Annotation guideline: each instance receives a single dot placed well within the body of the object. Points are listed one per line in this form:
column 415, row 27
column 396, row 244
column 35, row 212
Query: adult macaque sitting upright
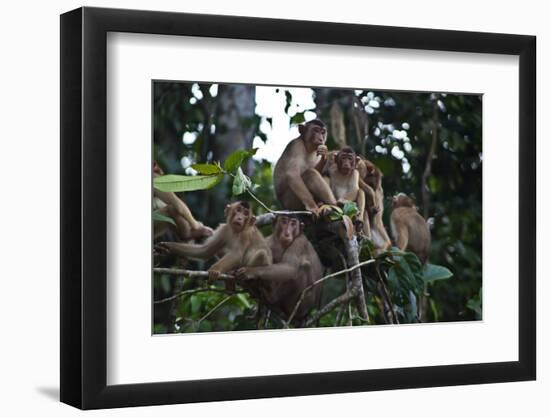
column 297, row 175
column 409, row 229
column 296, row 265
column 238, row 242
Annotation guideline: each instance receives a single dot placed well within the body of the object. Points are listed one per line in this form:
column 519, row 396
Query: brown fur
column 409, row 229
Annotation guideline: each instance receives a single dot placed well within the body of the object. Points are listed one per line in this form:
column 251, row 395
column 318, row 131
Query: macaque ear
column 252, row 220
column 302, row 227
column 357, row 160
column 302, row 129
column 226, row 210
column 370, row 168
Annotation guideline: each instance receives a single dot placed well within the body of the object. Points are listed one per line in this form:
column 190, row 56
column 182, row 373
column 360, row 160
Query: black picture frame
column 84, row 207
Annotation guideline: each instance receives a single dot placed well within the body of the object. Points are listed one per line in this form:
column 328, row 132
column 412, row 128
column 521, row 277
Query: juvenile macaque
column 296, row 266
column 186, row 225
column 297, row 175
column 238, row 242
column 343, row 178
column 371, row 183
column 409, row 229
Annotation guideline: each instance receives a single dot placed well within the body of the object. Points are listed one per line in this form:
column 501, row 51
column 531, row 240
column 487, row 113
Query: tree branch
column 190, row 274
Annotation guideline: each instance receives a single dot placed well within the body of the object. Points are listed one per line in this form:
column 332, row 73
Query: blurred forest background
column 428, row 145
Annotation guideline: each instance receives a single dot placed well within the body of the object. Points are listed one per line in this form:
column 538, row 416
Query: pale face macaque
column 371, row 183
column 409, row 229
column 296, row 266
column 238, row 242
column 297, row 175
column 172, row 206
column 343, row 178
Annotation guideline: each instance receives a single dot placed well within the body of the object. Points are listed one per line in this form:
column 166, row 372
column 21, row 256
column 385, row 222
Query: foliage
column 393, row 129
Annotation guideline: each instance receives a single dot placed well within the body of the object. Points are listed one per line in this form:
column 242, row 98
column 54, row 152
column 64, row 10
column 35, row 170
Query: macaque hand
column 213, row 275
column 163, row 248
column 322, row 151
column 244, row 274
column 314, row 210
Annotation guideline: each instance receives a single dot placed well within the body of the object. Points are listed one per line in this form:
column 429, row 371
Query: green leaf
column 159, row 217
column 207, row 169
column 195, row 303
column 177, row 183
column 436, row 272
column 235, row 160
column 240, row 182
column 243, row 299
column 350, row 209
column 297, row 118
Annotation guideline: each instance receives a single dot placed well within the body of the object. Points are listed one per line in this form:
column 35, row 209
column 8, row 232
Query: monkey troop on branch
column 278, row 269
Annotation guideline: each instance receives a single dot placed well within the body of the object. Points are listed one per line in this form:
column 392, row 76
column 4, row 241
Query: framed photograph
column 257, row 208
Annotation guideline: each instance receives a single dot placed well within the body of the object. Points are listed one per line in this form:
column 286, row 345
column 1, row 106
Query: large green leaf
column 350, row 209
column 207, row 169
column 158, row 217
column 177, row 183
column 235, row 160
column 436, row 272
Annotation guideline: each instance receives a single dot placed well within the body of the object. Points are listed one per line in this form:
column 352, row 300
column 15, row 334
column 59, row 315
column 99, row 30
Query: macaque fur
column 370, row 181
column 409, row 228
column 343, row 178
column 239, row 242
column 172, row 206
column 297, row 174
column 296, row 266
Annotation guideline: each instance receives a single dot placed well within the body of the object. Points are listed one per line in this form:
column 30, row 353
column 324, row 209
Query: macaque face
column 287, row 229
column 239, row 216
column 346, row 162
column 373, row 177
column 313, row 134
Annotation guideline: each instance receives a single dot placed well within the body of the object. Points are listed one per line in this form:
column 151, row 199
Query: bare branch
column 190, row 274
column 191, row 292
column 319, row 281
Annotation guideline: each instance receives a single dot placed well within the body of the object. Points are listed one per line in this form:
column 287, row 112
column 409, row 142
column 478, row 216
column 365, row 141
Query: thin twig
column 199, row 321
column 190, row 274
column 319, row 281
column 191, row 292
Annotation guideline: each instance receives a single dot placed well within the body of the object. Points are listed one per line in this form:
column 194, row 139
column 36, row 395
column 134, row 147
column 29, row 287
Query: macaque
column 172, row 206
column 371, row 183
column 343, row 178
column 239, row 242
column 409, row 229
column 296, row 266
column 297, row 175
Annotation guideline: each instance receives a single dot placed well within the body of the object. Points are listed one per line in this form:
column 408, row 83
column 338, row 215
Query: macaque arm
column 179, row 206
column 370, row 195
column 321, row 164
column 228, row 262
column 205, row 250
column 275, row 272
column 360, row 203
column 402, row 238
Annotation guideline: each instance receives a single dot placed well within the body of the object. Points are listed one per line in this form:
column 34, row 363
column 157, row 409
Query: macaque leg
column 366, row 225
column 259, row 258
column 370, row 196
column 318, row 186
column 179, row 206
column 183, row 228
column 227, row 263
column 159, row 227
